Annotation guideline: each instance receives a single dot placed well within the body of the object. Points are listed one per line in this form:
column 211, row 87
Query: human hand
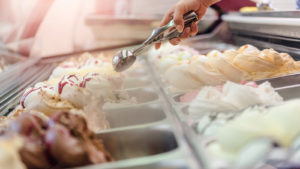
column 177, row 12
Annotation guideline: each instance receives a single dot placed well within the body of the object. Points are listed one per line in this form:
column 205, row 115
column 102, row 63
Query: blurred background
column 42, row 28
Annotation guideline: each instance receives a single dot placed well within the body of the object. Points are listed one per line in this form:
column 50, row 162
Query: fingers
column 175, row 41
column 178, row 17
column 186, row 33
column 157, row 45
column 194, row 29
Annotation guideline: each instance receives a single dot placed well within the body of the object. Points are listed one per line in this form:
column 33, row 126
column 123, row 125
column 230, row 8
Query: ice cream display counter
column 212, row 102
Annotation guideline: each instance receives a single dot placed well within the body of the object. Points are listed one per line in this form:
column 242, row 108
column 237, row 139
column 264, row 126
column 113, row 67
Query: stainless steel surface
column 142, row 147
column 139, row 96
column 283, row 81
column 143, row 95
column 125, row 58
column 289, row 93
column 136, row 116
column 174, row 163
column 140, row 142
column 281, row 26
column 135, row 82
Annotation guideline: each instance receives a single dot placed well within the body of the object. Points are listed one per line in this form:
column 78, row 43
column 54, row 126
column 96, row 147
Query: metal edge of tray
column 181, row 130
column 282, row 81
column 127, row 117
column 262, row 20
column 290, row 92
column 285, row 14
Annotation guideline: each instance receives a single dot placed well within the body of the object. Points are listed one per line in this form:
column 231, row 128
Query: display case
column 156, row 131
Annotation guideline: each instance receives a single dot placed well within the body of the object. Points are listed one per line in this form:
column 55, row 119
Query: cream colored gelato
column 225, row 66
column 205, row 72
column 180, row 77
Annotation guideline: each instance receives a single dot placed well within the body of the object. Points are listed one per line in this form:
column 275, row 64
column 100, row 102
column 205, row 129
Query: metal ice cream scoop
column 125, row 58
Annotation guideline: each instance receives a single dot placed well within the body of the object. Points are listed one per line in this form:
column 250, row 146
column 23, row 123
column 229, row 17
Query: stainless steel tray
column 148, row 114
column 274, row 25
column 143, row 147
column 135, row 82
column 140, row 96
column 283, row 81
column 289, row 93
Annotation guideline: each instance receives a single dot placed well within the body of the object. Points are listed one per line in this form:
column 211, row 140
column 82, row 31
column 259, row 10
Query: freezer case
column 156, row 131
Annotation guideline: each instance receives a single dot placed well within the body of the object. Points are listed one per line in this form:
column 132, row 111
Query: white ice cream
column 233, row 96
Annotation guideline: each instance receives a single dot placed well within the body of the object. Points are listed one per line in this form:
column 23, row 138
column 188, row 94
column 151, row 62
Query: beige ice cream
column 224, row 65
column 246, row 63
column 263, row 64
column 181, row 78
column 205, row 72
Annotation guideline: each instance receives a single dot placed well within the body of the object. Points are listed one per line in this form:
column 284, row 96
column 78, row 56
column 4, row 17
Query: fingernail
column 179, row 28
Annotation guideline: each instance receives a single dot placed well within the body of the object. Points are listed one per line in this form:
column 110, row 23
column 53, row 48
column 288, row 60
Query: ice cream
column 263, row 64
column 72, row 93
column 210, row 123
column 220, row 62
column 63, row 141
column 167, row 54
column 64, row 68
column 44, row 99
column 9, row 152
column 86, row 63
column 232, row 96
column 279, row 123
column 180, row 77
column 195, row 71
column 206, row 73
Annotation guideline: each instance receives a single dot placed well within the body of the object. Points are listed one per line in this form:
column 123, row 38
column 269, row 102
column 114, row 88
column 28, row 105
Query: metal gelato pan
column 283, row 81
column 289, row 93
column 135, row 116
column 144, row 148
column 139, row 96
column 134, row 82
